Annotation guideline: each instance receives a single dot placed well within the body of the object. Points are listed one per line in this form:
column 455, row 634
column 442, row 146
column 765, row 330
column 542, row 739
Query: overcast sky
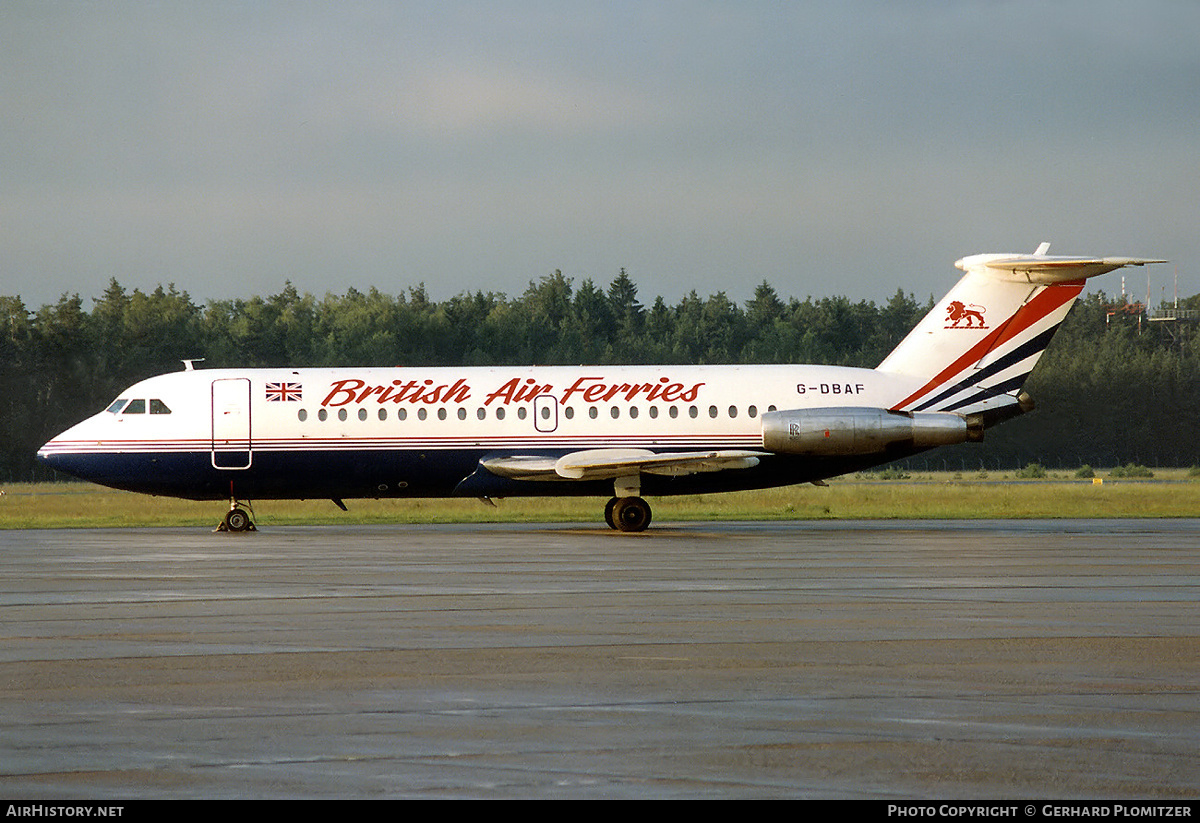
column 847, row 148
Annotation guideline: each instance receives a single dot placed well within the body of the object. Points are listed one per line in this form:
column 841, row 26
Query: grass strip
column 932, row 496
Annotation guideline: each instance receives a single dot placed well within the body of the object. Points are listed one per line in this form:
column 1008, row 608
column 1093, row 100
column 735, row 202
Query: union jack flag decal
column 278, row 392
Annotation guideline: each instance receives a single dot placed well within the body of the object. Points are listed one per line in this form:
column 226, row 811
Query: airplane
column 619, row 432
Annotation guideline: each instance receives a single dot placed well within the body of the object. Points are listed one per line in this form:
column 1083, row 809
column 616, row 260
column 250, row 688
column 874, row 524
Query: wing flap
column 608, row 464
column 603, row 464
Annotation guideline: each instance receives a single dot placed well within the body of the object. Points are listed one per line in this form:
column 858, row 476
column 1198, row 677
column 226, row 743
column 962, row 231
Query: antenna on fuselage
column 190, row 365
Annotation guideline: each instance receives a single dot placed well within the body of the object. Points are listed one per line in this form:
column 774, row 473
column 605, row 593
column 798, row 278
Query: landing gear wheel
column 236, row 520
column 631, row 514
column 608, row 513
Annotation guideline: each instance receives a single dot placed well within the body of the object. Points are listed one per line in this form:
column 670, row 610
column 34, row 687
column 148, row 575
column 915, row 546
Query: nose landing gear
column 236, row 519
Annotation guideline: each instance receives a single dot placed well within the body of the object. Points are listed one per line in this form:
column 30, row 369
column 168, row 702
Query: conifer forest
column 1115, row 386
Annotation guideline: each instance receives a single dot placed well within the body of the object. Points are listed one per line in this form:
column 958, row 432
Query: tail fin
column 977, row 346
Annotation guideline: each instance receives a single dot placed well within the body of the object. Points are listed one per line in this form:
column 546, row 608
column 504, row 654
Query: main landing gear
column 627, row 514
column 236, row 519
column 626, row 511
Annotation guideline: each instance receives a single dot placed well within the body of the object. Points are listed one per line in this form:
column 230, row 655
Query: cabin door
column 231, row 446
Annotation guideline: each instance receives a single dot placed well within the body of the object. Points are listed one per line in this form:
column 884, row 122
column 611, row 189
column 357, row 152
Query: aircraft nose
column 55, row 454
column 48, row 453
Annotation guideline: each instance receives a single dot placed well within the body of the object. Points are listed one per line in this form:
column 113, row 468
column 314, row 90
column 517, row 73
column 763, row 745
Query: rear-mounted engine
column 847, row 431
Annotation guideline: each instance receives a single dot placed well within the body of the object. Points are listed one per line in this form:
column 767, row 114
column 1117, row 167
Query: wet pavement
column 1001, row 659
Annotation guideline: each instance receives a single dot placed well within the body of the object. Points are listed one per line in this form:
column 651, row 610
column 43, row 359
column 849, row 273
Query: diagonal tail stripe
column 1014, row 357
column 999, row 389
column 1044, row 303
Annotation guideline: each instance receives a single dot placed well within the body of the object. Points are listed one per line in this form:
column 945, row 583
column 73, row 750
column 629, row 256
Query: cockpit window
column 124, row 405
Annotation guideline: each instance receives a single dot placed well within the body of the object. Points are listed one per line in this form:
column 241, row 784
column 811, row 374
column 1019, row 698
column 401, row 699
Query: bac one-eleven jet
column 616, row 432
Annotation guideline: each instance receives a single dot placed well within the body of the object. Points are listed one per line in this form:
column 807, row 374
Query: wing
column 607, row 464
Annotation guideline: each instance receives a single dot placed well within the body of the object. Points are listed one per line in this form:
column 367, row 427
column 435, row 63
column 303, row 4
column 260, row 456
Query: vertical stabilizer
column 978, row 345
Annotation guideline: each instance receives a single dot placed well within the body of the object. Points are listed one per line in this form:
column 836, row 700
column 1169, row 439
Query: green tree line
column 1110, row 390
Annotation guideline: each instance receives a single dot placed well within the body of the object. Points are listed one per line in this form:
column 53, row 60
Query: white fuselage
column 326, row 432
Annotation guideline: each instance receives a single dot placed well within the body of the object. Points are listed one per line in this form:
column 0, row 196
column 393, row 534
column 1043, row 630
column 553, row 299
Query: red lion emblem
column 956, row 312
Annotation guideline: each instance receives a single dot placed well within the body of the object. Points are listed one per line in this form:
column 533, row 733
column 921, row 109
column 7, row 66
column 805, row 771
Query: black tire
column 631, row 514
column 608, row 513
column 237, row 520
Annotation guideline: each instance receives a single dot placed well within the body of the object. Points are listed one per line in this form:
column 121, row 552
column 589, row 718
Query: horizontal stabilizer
column 1044, row 269
column 1030, row 263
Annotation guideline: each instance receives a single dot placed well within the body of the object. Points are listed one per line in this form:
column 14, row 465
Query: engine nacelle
column 848, row 431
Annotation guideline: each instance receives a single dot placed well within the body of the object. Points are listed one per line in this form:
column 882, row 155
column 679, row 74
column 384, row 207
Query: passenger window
column 752, row 411
column 158, row 407
column 712, row 411
column 592, row 412
column 442, row 413
column 733, row 411
column 673, row 411
column 481, row 413
column 633, row 412
column 654, row 411
column 383, row 414
column 693, row 412
column 569, row 412
column 136, row 407
column 343, row 414
column 322, row 415
column 615, row 412
column 500, row 413
column 521, row 412
column 302, row 415
column 422, row 414
column 362, row 414
column 401, row 413
column 462, row 413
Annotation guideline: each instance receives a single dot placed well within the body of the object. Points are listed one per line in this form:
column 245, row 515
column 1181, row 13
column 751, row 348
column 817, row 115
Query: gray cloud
column 847, row 148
